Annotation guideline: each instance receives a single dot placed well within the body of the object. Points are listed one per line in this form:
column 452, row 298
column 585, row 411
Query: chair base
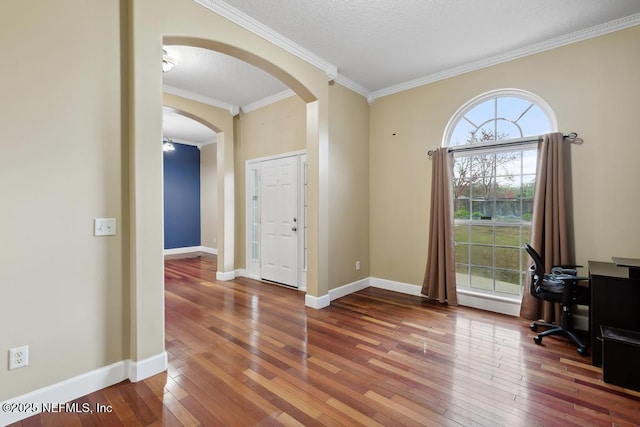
column 558, row 330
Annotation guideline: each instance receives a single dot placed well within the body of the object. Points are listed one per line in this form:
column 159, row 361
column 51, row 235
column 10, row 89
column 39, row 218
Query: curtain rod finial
column 573, row 137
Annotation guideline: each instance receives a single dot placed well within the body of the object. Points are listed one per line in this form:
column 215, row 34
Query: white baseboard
column 81, row 385
column 224, row 276
column 243, row 272
column 208, row 250
column 317, row 302
column 146, row 368
column 403, row 288
column 191, row 249
column 349, row 289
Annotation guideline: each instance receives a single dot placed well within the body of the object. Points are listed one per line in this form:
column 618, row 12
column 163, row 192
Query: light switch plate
column 104, row 227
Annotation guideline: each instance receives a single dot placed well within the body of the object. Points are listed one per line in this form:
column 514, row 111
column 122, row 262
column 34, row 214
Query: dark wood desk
column 615, row 301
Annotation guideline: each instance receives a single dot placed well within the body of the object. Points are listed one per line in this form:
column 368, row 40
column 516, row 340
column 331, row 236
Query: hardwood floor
column 247, row 353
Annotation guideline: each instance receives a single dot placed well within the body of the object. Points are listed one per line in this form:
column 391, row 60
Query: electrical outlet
column 357, row 265
column 18, row 357
column 104, row 227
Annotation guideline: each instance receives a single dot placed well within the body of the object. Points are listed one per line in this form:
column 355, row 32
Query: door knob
column 294, row 228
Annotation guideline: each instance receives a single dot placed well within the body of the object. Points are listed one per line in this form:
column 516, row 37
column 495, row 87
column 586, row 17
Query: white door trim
column 252, row 173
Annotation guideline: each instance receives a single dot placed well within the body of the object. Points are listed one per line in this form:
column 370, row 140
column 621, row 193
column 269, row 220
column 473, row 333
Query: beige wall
column 593, row 87
column 348, row 186
column 209, row 196
column 64, row 291
column 275, row 129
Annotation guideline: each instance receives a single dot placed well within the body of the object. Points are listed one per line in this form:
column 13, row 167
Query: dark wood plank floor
column 247, row 353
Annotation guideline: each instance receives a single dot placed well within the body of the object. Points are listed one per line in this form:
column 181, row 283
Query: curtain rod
column 572, row 137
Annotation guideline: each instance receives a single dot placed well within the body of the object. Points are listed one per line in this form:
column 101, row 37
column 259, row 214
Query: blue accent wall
column 181, row 197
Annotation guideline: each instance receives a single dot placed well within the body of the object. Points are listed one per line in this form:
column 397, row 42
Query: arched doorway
column 153, row 24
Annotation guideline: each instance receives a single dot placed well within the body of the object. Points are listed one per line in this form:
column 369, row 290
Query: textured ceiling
column 381, row 44
column 185, row 130
column 219, row 77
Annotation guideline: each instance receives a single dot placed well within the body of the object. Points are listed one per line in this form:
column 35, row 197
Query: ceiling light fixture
column 167, row 62
column 167, row 144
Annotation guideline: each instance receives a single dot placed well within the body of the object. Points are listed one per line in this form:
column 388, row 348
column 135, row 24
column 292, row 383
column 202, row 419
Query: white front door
column 279, row 220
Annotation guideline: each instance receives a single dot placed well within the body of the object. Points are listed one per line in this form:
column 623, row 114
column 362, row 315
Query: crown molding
column 354, row 86
column 575, row 37
column 267, row 101
column 233, row 109
column 245, row 21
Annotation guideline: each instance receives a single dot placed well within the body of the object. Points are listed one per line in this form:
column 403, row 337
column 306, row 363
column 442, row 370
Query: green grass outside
column 475, row 256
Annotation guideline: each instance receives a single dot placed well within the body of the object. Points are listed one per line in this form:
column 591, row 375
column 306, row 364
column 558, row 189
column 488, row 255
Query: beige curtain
column 440, row 275
column 550, row 227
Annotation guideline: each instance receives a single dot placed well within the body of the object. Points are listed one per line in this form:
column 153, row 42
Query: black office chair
column 561, row 286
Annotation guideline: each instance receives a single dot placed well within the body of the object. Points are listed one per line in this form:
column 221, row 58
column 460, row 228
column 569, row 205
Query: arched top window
column 499, row 115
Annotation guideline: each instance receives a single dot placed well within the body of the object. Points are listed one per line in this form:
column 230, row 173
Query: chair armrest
column 558, row 271
column 571, row 269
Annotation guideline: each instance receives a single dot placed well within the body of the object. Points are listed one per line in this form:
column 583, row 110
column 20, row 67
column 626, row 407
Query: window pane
column 535, row 122
column 482, row 255
column 481, row 278
column 462, row 133
column 462, row 275
column 526, row 261
column 482, row 234
column 508, row 206
column 482, row 175
column 462, row 254
column 508, row 236
column 507, row 187
column 482, row 209
column 480, row 113
column 508, row 258
column 461, row 208
column 528, row 190
column 508, row 282
column 509, row 163
column 462, row 233
column 507, row 130
column 462, row 168
column 529, row 158
column 512, row 108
